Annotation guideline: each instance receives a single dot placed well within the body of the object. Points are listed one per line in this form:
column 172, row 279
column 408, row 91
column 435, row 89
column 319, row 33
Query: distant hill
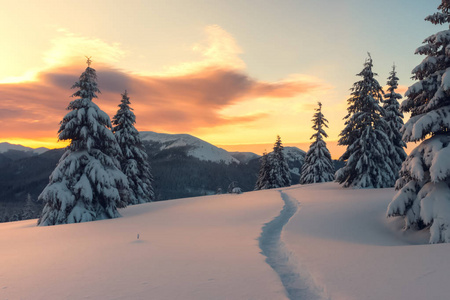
column 5, row 147
column 244, row 157
column 194, row 146
column 182, row 165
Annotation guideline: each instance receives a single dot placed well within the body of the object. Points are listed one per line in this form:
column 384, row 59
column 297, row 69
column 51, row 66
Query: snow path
column 191, row 249
column 298, row 285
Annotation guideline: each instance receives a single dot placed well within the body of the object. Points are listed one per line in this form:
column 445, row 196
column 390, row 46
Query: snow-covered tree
column 424, row 188
column 28, row 212
column 87, row 184
column 318, row 165
column 280, row 175
column 134, row 160
column 394, row 118
column 273, row 171
column 368, row 164
column 263, row 182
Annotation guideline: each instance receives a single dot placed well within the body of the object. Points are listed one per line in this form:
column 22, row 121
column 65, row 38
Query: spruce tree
column 28, row 212
column 263, row 182
column 134, row 161
column 87, row 184
column 280, row 175
column 318, row 165
column 423, row 198
column 368, row 164
column 394, row 118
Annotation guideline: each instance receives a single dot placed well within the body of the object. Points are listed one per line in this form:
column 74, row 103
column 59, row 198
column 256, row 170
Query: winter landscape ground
column 336, row 244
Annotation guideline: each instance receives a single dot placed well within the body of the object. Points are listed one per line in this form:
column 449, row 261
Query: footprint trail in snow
column 298, row 285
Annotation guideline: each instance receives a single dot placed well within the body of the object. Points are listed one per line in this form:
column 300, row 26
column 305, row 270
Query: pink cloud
column 177, row 103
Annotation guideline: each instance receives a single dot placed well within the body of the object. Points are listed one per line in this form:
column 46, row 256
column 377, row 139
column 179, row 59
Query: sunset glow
column 206, row 71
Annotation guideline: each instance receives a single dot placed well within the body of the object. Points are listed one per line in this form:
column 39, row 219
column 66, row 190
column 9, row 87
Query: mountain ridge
column 5, row 147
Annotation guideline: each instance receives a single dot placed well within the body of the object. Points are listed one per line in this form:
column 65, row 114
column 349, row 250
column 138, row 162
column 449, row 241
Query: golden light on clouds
column 213, row 98
column 68, row 48
column 218, row 50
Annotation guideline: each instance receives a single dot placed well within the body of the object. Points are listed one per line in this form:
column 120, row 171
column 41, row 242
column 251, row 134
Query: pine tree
column 423, row 198
column 134, row 161
column 394, row 118
column 87, row 184
column 318, row 165
column 367, row 156
column 280, row 175
column 263, row 182
column 28, row 212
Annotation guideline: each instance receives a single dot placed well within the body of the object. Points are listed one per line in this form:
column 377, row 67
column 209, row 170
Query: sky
column 233, row 73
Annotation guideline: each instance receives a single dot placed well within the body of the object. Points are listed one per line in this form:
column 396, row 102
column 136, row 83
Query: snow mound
column 197, row 147
column 5, row 147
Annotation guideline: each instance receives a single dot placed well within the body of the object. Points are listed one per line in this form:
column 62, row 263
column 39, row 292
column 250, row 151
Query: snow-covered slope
column 342, row 239
column 294, row 154
column 197, row 147
column 335, row 244
column 4, row 147
column 244, row 157
column 191, row 249
column 295, row 158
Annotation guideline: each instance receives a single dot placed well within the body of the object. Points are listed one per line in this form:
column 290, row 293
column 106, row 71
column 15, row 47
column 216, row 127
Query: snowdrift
column 319, row 241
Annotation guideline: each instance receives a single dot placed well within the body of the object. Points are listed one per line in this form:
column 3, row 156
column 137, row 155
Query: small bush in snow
column 234, row 189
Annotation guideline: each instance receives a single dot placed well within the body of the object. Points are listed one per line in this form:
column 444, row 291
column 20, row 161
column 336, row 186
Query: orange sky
column 213, row 98
column 241, row 82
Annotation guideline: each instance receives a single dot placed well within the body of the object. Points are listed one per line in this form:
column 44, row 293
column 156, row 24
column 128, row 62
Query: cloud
column 219, row 50
column 189, row 97
column 69, row 48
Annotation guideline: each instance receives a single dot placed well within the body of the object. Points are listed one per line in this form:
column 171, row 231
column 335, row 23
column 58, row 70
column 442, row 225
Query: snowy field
column 337, row 244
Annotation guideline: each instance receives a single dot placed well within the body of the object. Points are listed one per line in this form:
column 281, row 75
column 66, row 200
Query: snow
column 294, row 154
column 198, row 148
column 446, row 80
column 199, row 248
column 244, row 157
column 324, row 241
column 4, row 147
column 343, row 239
